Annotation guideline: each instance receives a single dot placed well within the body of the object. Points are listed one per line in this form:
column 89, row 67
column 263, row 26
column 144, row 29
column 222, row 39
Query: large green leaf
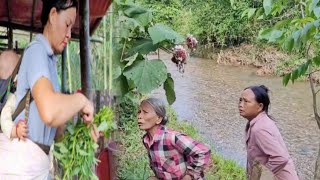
column 160, row 32
column 313, row 5
column 265, row 33
column 116, row 72
column 131, row 10
column 120, row 86
column 144, row 19
column 286, row 79
column 244, row 13
column 143, row 46
column 316, row 23
column 288, row 45
column 307, row 32
column 130, row 60
column 147, row 75
column 316, row 60
column 282, row 23
column 295, row 75
column 304, row 67
column 267, row 5
column 275, row 35
column 169, row 88
column 316, row 12
column 251, row 12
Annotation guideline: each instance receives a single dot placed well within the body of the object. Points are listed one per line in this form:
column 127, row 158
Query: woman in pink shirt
column 264, row 142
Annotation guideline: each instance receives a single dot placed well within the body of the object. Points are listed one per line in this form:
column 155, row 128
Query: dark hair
column 159, row 107
column 261, row 96
column 58, row 4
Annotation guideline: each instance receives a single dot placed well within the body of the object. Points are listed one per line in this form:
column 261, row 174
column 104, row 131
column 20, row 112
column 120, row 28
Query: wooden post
column 64, row 71
column 32, row 17
column 85, row 51
column 10, row 38
column 9, row 31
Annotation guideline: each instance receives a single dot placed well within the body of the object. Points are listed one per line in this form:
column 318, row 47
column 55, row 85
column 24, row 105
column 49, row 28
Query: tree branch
column 313, row 72
column 314, row 97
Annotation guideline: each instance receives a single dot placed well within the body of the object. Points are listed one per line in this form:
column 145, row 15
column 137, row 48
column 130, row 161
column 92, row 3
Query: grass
column 134, row 162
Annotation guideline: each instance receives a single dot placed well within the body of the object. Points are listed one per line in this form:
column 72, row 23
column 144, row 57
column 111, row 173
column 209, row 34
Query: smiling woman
column 50, row 110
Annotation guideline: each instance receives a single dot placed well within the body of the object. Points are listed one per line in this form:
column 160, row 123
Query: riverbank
column 267, row 60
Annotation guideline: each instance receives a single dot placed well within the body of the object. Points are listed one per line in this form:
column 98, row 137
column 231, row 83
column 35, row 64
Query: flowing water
column 207, row 97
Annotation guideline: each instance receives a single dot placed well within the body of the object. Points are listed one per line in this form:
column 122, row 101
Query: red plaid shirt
column 173, row 155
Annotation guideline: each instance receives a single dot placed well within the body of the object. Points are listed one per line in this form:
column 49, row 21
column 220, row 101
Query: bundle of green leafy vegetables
column 76, row 151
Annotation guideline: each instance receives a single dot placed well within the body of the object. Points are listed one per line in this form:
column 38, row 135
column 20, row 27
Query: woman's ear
column 260, row 107
column 159, row 120
column 53, row 16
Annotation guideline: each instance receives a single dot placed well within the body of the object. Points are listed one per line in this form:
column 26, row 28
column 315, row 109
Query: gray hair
column 159, row 107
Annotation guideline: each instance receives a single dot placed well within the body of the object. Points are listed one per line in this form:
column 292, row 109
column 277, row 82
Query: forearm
column 197, row 155
column 58, row 108
column 196, row 166
column 275, row 164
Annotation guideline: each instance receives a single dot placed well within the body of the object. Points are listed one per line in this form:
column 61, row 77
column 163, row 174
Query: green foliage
column 295, row 34
column 218, row 23
column 105, row 119
column 128, row 110
column 170, row 13
column 138, row 37
column 146, row 75
column 169, row 88
column 159, row 33
column 76, row 151
column 134, row 162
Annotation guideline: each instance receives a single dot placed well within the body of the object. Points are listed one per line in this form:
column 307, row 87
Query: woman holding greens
column 50, row 110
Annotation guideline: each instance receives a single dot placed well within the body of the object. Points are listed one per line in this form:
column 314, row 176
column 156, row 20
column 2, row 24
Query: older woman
column 172, row 155
column 263, row 140
column 50, row 109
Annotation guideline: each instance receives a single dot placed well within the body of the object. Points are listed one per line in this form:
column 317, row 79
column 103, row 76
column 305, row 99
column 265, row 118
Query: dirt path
column 207, row 97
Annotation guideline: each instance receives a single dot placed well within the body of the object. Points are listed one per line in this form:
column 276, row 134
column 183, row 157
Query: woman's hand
column 87, row 112
column 22, row 130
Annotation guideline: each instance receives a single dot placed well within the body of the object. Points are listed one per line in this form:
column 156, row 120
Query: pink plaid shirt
column 173, row 155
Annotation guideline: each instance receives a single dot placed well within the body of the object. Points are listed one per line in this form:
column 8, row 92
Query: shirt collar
column 44, row 41
column 254, row 120
column 157, row 136
column 251, row 123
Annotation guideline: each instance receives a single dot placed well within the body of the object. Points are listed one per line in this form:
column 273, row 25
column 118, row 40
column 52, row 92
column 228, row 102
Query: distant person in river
column 264, row 142
column 172, row 155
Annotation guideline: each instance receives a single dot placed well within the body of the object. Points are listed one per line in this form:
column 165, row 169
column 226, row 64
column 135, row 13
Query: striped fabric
column 173, row 155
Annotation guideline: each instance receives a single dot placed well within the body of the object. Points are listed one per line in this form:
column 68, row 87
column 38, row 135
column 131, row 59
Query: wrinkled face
column 147, row 117
column 61, row 25
column 249, row 108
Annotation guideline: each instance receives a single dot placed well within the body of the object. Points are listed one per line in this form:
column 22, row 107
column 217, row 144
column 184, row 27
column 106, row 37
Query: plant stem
column 69, row 69
column 104, row 53
column 110, row 49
